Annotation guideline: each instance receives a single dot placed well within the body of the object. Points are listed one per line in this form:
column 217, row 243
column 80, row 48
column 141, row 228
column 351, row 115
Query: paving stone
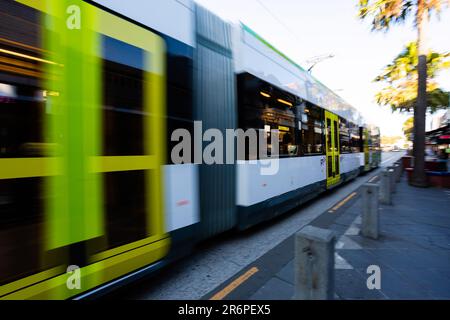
column 274, row 289
column 360, row 258
column 432, row 282
column 351, row 285
column 396, row 287
column 287, row 273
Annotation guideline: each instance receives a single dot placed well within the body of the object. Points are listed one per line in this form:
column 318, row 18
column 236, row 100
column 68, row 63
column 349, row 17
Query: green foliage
column 408, row 126
column 385, row 13
column 401, row 79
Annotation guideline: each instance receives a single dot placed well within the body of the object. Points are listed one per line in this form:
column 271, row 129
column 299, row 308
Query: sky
column 303, row 29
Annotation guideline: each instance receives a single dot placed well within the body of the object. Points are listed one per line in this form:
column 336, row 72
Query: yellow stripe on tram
column 16, row 168
column 94, row 274
column 28, row 281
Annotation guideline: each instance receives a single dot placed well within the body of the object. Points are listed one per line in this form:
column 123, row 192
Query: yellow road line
column 233, row 285
column 340, row 204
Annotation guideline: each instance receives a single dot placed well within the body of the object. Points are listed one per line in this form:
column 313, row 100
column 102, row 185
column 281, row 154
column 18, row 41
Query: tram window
column 179, row 79
column 344, row 136
column 179, row 102
column 336, row 140
column 336, row 159
column 355, row 142
column 124, row 117
column 370, row 141
column 20, row 233
column 264, row 107
column 330, row 166
column 287, row 141
column 123, row 82
column 21, row 121
column 312, row 130
column 125, row 207
column 286, row 137
column 251, row 118
column 22, row 230
column 21, row 95
column 362, row 139
column 376, row 142
column 329, row 135
column 179, row 116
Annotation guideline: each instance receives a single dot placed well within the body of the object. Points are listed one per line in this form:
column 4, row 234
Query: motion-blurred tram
column 90, row 94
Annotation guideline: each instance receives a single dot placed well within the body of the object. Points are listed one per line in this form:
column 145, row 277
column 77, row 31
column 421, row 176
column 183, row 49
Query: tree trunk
column 419, row 177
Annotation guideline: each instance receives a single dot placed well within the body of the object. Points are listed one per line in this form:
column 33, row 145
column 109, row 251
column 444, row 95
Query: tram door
column 332, row 143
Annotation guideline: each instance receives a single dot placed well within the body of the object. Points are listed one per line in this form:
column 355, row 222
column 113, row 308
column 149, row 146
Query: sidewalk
column 413, row 252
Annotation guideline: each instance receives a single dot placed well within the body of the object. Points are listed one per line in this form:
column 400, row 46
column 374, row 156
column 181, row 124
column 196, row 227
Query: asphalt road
column 216, row 260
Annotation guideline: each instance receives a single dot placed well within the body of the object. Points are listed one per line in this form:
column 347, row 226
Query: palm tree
column 400, row 77
column 384, row 14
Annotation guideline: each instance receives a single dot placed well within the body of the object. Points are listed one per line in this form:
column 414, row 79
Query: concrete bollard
column 398, row 172
column 385, row 188
column 392, row 179
column 400, row 163
column 314, row 264
column 370, row 217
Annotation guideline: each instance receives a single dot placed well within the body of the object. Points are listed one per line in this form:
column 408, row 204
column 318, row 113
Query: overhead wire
column 276, row 18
